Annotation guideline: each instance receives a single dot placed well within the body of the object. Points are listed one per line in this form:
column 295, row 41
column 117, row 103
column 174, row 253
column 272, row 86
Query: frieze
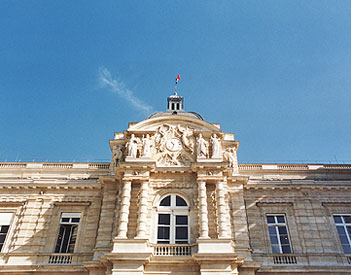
column 175, row 185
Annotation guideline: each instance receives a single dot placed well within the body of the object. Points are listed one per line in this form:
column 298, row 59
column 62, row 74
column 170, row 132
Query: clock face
column 174, row 144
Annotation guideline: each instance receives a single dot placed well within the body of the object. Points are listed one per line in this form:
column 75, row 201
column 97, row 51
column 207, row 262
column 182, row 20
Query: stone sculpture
column 229, row 156
column 202, row 147
column 117, row 155
column 132, row 146
column 147, row 144
column 216, row 146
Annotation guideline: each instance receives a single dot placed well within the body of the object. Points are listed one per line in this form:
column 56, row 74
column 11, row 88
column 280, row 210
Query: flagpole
column 175, row 86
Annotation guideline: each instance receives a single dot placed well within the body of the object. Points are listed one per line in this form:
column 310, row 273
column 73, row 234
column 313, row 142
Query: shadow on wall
column 50, row 227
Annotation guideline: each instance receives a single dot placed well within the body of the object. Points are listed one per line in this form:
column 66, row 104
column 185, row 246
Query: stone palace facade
column 174, row 200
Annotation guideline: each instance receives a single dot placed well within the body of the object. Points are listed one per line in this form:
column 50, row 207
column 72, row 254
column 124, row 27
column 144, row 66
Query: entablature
column 298, row 184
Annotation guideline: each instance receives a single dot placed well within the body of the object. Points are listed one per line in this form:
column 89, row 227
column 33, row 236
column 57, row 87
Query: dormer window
column 173, row 220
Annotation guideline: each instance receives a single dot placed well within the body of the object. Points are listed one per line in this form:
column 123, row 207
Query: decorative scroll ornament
column 174, row 145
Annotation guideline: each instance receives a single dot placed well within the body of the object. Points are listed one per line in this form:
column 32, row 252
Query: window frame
column 64, row 224
column 16, row 209
column 8, row 235
column 276, row 225
column 173, row 210
column 344, row 225
column 53, row 228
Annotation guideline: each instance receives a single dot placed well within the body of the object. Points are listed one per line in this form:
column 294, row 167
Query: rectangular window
column 278, row 234
column 5, row 220
column 343, row 226
column 67, row 235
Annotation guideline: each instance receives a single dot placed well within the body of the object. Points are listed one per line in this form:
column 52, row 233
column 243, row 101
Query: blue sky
column 275, row 73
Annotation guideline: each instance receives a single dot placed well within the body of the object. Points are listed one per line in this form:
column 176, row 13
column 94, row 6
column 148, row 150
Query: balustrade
column 173, row 250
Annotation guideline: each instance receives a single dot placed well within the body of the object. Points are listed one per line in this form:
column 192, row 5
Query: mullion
column 345, row 224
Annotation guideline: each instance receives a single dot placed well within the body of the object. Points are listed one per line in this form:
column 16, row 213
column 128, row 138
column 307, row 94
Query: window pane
column 65, row 220
column 4, row 228
column 348, row 228
column 66, row 238
column 163, row 233
column 180, row 242
column 282, row 230
column 270, row 219
column 271, row 230
column 181, row 220
column 73, row 239
column 343, row 239
column 347, row 219
column 284, row 239
column 347, row 249
column 166, row 201
column 162, row 241
column 286, row 249
column 180, row 201
column 341, row 230
column 59, row 239
column 182, row 233
column 2, row 238
column 281, row 219
column 75, row 220
column 164, row 219
column 275, row 249
column 337, row 219
column 274, row 239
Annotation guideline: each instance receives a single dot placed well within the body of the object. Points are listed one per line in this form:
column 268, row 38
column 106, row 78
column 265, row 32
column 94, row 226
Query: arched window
column 173, row 220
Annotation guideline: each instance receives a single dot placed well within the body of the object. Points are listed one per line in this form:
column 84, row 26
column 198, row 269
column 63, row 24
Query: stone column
column 203, row 218
column 223, row 211
column 124, row 211
column 143, row 207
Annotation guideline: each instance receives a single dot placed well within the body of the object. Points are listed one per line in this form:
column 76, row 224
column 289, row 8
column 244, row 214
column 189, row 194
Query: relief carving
column 174, row 145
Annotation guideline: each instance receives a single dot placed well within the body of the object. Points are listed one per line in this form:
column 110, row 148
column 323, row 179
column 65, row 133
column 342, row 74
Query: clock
column 174, row 144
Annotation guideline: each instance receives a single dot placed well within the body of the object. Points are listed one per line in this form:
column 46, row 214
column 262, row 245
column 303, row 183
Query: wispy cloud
column 118, row 87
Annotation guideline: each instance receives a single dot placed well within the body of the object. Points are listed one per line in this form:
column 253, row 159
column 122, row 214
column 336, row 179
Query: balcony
column 64, row 258
column 284, row 259
column 174, row 250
